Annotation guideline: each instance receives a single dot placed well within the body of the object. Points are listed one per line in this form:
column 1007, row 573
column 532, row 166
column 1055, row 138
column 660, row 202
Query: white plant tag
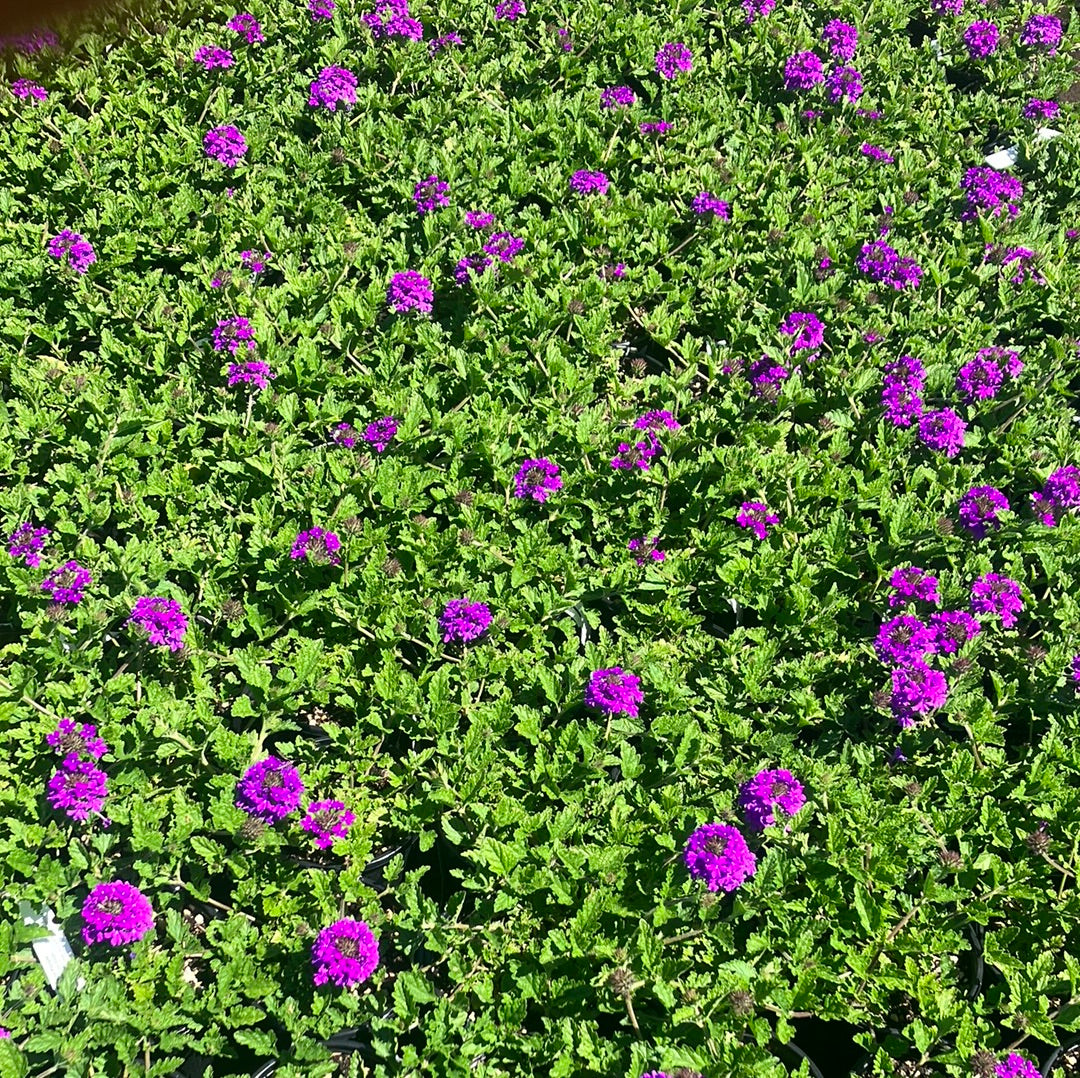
column 1045, row 134
column 52, row 951
column 1003, row 158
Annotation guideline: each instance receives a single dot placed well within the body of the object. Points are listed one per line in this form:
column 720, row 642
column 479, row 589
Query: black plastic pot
column 793, row 1055
column 1057, row 1053
column 828, row 1047
column 976, row 966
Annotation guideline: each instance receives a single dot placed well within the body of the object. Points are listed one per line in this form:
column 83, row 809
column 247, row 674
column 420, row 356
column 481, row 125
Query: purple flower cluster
column 27, row 542
column 766, row 376
column 638, row 455
column 765, row 793
column 463, row 620
column 318, row 546
column 509, row 10
column 71, row 740
column 673, row 57
column 230, row 334
column 757, row 9
column 161, row 620
column 756, row 516
column 269, row 790
column 617, row 97
column 998, row 595
column 913, row 585
column 73, row 247
column 77, row 788
column 656, row 420
column 334, row 86
column 803, row 71
column 657, row 127
column 380, row 433
column 345, row 954
column 916, row 690
column 1042, row 32
column 537, row 479
column 410, row 291
column 981, row 39
column 212, row 56
column 981, row 378
column 903, row 384
column 841, row 38
column 868, row 149
column 253, row 372
column 225, row 145
column 718, row 854
column 321, row 10
column 904, row 639
column 247, row 26
column 430, row 194
column 991, row 191
column 586, row 183
column 328, row 820
column 952, row 630
column 1023, row 257
column 65, row 584
column 254, row 262
column 343, row 436
column 504, row 246
column 1016, row 1066
column 614, row 691
column 24, row 89
column 843, row 84
column 943, row 431
column 116, row 913
column 645, row 549
column 1041, row 110
column 706, row 202
column 883, row 265
column 1060, row 492
column 979, row 509
column 807, row 329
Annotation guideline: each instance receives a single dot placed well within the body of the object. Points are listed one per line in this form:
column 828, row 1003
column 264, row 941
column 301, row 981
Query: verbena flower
column 24, row 89
column 803, row 71
column 504, row 246
column 585, row 182
column 27, row 542
column 946, row 7
column 842, row 39
column 30, row 43
column 509, row 10
column 718, row 854
column 344, row 436
column 881, row 263
column 161, row 620
column 479, row 220
column 1016, row 1066
column 254, row 372
column 430, row 194
column 537, row 479
column 645, row 549
column 69, row 740
column 868, row 149
column 471, row 266
column 445, row 41
column 981, row 39
column 563, row 33
column 73, row 247
column 247, row 26
column 981, row 378
column 225, row 145
column 707, row 202
column 673, row 57
column 757, row 9
column 318, row 546
column 916, row 689
column 654, row 420
column 1075, row 672
column 77, row 788
column 230, row 334
column 65, row 584
column 989, row 190
column 952, row 629
column 1042, row 32
column 615, row 97
column 903, row 405
column 334, row 86
column 269, row 790
column 756, row 516
column 212, row 56
column 943, row 431
column 1041, row 110
column 1024, row 259
column 116, row 913
column 321, row 10
column 638, row 455
column 328, row 820
column 391, row 19
column 654, row 127
column 807, row 329
column 843, row 84
column 1060, row 492
column 463, row 620
column 410, row 291
column 995, row 594
column 380, row 433
column 766, row 376
column 253, row 261
column 904, row 639
column 979, row 509
column 346, row 953
column 765, row 793
column 913, row 585
column 614, row 691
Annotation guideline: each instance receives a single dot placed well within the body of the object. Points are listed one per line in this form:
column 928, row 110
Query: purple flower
column 903, row 640
column 346, row 953
column 328, row 820
column 718, row 854
column 1075, row 672
column 843, row 84
column 29, row 44
column 673, row 57
column 479, row 220
column 654, row 420
column 24, row 88
column 26, row 542
column 979, row 508
column 225, row 145
column 868, row 149
column 1061, row 492
column 916, row 689
column 869, row 114
column 767, row 790
column 982, row 377
column 585, row 182
column 807, row 329
column 564, row 34
column 69, row 740
column 990, row 190
column 903, row 405
column 116, row 913
column 254, row 372
column 1015, row 1065
column 230, row 333
column 1041, row 110
column 509, row 10
column 430, row 194
column 504, row 246
column 981, row 39
column 269, row 790
column 470, row 266
column 4, row 1033
column 391, row 19
column 615, row 97
column 1042, row 32
column 381, row 433
column 803, row 71
column 74, row 247
column 882, row 264
column 321, row 9
column 77, row 788
column 254, row 262
column 637, row 455
column 842, row 39
column 211, row 56
column 952, row 629
column 334, row 86
column 657, row 127
column 756, row 516
column 463, row 621
column 706, row 202
column 1025, row 260
column 765, row 376
column 645, row 549
column 537, row 479
column 410, row 291
column 65, row 584
column 943, row 431
column 317, row 546
column 343, row 436
column 946, row 7
column 444, row 42
column 161, row 620
column 994, row 594
column 913, row 585
column 247, row 26
column 614, row 692
column 757, row 9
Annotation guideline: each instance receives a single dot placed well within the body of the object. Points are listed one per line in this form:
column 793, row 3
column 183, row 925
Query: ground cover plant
column 540, row 540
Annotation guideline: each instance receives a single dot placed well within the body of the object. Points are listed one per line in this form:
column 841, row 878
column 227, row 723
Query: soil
column 1067, row 1065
